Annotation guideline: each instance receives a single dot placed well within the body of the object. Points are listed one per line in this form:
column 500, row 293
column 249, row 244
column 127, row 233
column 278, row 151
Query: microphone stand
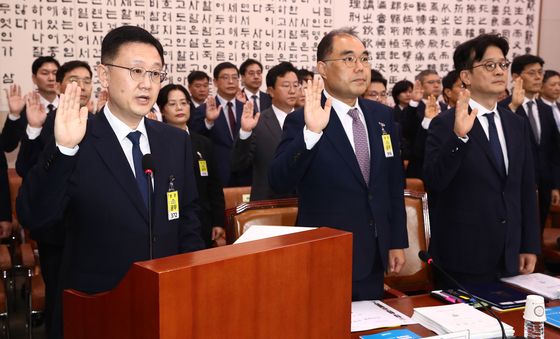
column 149, row 176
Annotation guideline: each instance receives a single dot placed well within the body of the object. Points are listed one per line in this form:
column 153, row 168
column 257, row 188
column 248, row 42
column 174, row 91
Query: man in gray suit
column 283, row 86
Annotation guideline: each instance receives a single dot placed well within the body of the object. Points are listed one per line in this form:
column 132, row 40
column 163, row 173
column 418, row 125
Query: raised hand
column 316, row 117
column 417, row 91
column 463, row 120
column 36, row 114
column 431, row 108
column 102, row 98
column 240, row 96
column 248, row 121
column 212, row 112
column 518, row 95
column 71, row 120
column 15, row 100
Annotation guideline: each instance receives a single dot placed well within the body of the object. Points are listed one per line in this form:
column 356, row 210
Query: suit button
column 155, row 238
column 371, row 223
column 502, row 220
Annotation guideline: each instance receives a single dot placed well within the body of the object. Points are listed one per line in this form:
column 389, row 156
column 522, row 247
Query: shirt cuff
column 413, row 103
column 310, row 138
column 465, row 139
column 208, row 125
column 244, row 135
column 68, row 151
column 33, row 132
column 426, row 123
column 13, row 117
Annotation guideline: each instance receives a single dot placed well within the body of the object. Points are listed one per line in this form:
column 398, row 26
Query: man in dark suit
column 260, row 134
column 416, row 118
column 335, row 157
column 219, row 120
column 90, row 177
column 550, row 93
column 43, row 70
column 480, row 164
column 452, row 86
column 199, row 88
column 545, row 138
column 251, row 77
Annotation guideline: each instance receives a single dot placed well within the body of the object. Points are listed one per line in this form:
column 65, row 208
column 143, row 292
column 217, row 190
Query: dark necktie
column 141, row 180
column 360, row 143
column 50, row 108
column 495, row 145
column 231, row 118
column 255, row 104
column 533, row 121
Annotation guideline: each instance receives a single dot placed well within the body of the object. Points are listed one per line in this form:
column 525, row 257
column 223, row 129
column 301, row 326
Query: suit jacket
column 332, row 191
column 210, row 190
column 95, row 195
column 13, row 131
column 416, row 135
column 265, row 101
column 258, row 151
column 223, row 143
column 5, row 199
column 547, row 152
column 482, row 220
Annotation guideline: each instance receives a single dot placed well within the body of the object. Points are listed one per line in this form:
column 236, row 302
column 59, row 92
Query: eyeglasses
column 534, row 72
column 490, row 66
column 351, row 60
column 288, row 85
column 376, row 95
column 138, row 73
column 229, row 78
column 85, row 81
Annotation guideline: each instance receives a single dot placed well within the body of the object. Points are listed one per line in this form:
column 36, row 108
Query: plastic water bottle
column 534, row 316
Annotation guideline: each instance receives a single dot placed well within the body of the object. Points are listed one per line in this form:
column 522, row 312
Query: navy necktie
column 495, row 145
column 137, row 155
column 50, row 108
column 255, row 104
column 533, row 121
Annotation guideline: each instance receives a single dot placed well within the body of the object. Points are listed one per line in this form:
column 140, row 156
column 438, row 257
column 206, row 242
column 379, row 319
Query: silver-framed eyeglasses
column 490, row 65
column 138, row 73
column 351, row 60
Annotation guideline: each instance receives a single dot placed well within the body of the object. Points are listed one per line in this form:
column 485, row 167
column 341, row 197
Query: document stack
column 460, row 317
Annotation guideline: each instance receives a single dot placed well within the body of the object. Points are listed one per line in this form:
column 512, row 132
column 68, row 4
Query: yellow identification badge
column 387, row 145
column 203, row 168
column 172, row 205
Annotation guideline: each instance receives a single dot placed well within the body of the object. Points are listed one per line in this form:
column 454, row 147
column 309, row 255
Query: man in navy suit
column 333, row 152
column 480, row 164
column 527, row 71
column 219, row 120
column 90, row 178
column 550, row 93
column 251, row 77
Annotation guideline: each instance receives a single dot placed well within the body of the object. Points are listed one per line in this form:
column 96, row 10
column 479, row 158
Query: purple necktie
column 360, row 143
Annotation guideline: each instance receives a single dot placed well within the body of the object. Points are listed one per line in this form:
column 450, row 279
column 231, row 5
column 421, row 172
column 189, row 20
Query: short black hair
column 40, row 61
column 224, row 65
column 520, row 62
column 197, row 75
column 302, row 73
column 376, row 76
column 420, row 76
column 399, row 87
column 69, row 66
column 163, row 95
column 278, row 71
column 119, row 36
column 549, row 73
column 449, row 79
column 473, row 50
column 325, row 46
column 247, row 63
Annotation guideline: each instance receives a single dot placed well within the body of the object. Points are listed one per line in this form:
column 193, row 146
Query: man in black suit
column 479, row 162
column 416, row 118
column 528, row 71
column 550, row 93
column 260, row 134
column 341, row 153
column 44, row 70
column 90, row 177
column 251, row 77
column 452, row 86
column 199, row 87
column 219, row 120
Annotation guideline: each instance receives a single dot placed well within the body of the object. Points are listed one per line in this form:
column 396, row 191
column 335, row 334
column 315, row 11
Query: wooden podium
column 293, row 286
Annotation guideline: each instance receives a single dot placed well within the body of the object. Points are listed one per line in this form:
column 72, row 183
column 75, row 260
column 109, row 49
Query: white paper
column 370, row 314
column 256, row 232
column 545, row 285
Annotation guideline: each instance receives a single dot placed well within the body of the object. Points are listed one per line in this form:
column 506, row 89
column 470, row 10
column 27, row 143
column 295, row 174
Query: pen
column 446, row 297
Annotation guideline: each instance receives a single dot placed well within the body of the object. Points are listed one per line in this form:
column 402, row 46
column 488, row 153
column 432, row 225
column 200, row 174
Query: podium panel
column 293, row 286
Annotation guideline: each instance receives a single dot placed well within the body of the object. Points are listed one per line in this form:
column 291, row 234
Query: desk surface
column 406, row 306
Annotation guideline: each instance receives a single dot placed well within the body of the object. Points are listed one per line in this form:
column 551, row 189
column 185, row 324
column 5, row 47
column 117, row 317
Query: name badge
column 386, row 139
column 203, row 168
column 172, row 201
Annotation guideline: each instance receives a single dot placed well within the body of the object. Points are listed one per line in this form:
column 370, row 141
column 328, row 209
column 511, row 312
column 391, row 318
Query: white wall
column 549, row 41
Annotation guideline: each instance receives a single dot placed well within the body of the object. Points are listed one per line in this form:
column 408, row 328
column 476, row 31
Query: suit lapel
column 375, row 142
column 111, row 152
column 510, row 137
column 272, row 124
column 160, row 155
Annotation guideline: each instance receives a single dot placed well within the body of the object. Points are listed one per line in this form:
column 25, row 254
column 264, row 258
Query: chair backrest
column 415, row 275
column 15, row 182
column 415, row 184
column 281, row 212
column 234, row 196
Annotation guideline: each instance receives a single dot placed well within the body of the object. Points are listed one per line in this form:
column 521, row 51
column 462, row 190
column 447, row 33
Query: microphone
column 427, row 258
column 148, row 167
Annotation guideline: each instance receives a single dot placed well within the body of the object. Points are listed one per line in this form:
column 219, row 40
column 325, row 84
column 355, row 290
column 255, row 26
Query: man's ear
column 322, row 69
column 103, row 75
column 465, row 77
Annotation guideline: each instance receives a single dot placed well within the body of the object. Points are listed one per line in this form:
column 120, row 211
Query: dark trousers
column 50, row 257
column 370, row 287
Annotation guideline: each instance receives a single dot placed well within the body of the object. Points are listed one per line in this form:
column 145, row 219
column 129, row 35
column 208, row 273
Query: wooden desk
column 406, row 306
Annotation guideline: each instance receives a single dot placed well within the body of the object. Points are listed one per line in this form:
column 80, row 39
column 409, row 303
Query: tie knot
column 134, row 137
column 50, row 107
column 230, row 104
column 254, row 97
column 354, row 113
column 530, row 103
column 490, row 116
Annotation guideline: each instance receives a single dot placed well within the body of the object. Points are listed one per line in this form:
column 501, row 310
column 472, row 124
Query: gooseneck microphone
column 427, row 258
column 148, row 167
